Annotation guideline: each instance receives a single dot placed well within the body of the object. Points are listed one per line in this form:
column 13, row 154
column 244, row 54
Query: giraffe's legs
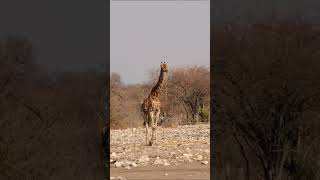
column 147, row 133
column 156, row 125
column 152, row 136
column 150, row 120
column 147, row 118
column 153, row 118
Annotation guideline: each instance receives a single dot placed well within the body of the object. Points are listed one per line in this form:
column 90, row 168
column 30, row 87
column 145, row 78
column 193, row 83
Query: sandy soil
column 191, row 171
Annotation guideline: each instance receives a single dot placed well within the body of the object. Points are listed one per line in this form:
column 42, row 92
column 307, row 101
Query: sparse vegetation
column 266, row 100
column 49, row 126
column 185, row 98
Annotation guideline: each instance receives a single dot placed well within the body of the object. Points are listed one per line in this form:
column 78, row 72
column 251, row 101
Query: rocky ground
column 184, row 148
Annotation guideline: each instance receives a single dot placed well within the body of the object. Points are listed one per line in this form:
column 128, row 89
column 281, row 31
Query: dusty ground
column 181, row 153
column 158, row 172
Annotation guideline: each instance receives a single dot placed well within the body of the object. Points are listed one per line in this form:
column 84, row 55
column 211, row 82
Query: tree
column 16, row 60
column 190, row 86
column 264, row 100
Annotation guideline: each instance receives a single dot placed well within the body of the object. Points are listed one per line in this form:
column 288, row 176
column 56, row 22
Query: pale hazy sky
column 143, row 32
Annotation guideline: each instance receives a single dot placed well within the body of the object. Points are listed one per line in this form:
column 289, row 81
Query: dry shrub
column 124, row 105
column 49, row 129
column 266, row 99
column 188, row 89
column 184, row 98
column 170, row 122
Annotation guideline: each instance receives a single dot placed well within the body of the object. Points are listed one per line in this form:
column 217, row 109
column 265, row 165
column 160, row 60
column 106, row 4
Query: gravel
column 183, row 144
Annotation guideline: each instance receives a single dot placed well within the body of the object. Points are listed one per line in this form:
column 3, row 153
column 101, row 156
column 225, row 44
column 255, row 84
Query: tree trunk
column 185, row 108
column 243, row 153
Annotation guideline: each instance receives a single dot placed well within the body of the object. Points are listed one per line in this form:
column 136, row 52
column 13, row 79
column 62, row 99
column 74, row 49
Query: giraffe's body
column 151, row 107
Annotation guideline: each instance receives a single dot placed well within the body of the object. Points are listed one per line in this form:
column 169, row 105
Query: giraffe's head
column 164, row 67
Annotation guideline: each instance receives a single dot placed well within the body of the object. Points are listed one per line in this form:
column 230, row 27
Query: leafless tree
column 266, row 94
column 190, row 86
column 49, row 129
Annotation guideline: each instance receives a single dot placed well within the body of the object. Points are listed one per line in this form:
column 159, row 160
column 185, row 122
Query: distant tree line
column 184, row 98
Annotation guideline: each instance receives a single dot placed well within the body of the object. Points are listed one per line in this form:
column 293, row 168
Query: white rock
column 113, row 155
column 199, row 158
column 187, row 157
column 158, row 161
column 121, row 178
column 119, row 164
column 161, row 161
column 204, row 162
column 143, row 163
column 144, row 158
column 166, row 174
column 133, row 164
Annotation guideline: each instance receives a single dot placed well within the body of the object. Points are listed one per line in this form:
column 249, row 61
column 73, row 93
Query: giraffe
column 151, row 107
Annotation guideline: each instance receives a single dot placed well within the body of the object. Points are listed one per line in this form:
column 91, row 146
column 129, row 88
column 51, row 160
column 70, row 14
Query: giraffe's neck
column 157, row 88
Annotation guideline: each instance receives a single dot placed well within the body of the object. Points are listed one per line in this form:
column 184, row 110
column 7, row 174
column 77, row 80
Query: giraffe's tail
column 145, row 119
column 142, row 115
